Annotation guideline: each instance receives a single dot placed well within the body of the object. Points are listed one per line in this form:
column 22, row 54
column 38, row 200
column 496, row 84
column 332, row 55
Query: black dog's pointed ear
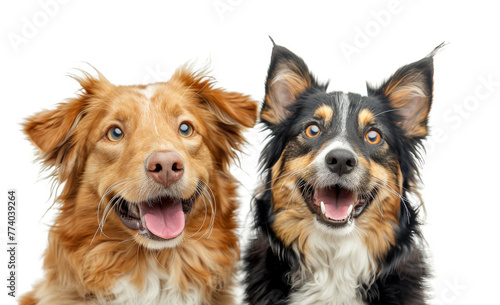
column 409, row 92
column 287, row 77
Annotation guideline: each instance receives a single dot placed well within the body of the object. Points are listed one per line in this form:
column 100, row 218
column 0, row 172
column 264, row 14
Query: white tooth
column 323, row 209
column 350, row 209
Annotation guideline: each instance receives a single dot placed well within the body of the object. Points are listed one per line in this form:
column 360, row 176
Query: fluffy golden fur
column 92, row 257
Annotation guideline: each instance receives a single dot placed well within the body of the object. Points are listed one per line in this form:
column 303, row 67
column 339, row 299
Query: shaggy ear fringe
column 55, row 133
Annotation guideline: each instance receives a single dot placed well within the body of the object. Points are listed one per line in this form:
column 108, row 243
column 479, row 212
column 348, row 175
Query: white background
column 141, row 42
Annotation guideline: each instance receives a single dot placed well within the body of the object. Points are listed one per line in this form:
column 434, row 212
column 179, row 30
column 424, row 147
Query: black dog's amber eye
column 185, row 129
column 373, row 137
column 115, row 134
column 312, row 131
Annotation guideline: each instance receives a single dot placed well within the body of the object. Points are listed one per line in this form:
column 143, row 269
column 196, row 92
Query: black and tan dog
column 333, row 221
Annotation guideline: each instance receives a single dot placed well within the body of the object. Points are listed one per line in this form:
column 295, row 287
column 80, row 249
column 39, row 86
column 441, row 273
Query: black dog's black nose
column 341, row 161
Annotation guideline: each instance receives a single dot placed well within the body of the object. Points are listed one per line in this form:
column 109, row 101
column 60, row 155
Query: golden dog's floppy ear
column 231, row 113
column 235, row 112
column 231, row 108
column 54, row 132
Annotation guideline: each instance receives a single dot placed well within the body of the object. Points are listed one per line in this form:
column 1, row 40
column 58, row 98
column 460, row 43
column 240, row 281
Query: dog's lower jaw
column 167, row 214
column 160, row 244
column 343, row 230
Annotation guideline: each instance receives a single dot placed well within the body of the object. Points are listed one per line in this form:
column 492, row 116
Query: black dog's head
column 338, row 162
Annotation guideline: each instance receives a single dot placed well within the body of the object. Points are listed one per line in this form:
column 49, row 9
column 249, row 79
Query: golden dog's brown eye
column 373, row 137
column 185, row 129
column 312, row 131
column 115, row 134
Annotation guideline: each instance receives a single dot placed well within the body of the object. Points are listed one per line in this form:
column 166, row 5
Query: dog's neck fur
column 334, row 272
column 158, row 288
column 130, row 274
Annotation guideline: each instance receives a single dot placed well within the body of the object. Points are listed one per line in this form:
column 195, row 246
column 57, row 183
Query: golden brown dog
column 147, row 203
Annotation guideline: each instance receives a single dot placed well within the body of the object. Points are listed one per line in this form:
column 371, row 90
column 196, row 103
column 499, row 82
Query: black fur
column 268, row 263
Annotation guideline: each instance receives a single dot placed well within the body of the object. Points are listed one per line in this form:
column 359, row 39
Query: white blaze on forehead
column 148, row 93
column 337, row 143
column 343, row 111
column 340, row 140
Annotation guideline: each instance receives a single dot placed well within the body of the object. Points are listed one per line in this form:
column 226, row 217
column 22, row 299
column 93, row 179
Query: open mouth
column 336, row 206
column 158, row 219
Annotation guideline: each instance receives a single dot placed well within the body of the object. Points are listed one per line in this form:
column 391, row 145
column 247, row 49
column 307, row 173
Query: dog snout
column 165, row 167
column 341, row 161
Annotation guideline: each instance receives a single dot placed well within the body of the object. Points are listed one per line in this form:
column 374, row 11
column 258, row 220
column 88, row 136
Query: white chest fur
column 333, row 273
column 158, row 289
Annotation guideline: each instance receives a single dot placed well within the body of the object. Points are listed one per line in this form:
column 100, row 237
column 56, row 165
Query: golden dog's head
column 142, row 162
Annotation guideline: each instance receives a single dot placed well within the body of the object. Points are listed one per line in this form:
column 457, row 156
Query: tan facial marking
column 382, row 215
column 366, row 117
column 324, row 112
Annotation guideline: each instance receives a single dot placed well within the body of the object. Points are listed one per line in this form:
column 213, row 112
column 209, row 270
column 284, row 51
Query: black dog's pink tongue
column 337, row 202
column 164, row 219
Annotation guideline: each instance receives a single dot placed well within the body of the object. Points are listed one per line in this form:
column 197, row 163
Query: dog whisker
column 202, row 196
column 403, row 199
column 390, row 110
column 213, row 206
column 109, row 208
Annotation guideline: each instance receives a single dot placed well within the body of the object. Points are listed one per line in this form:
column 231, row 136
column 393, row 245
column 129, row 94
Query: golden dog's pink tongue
column 165, row 220
column 337, row 202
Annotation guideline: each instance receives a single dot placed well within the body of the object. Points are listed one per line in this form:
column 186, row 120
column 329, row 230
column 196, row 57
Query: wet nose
column 165, row 167
column 341, row 161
